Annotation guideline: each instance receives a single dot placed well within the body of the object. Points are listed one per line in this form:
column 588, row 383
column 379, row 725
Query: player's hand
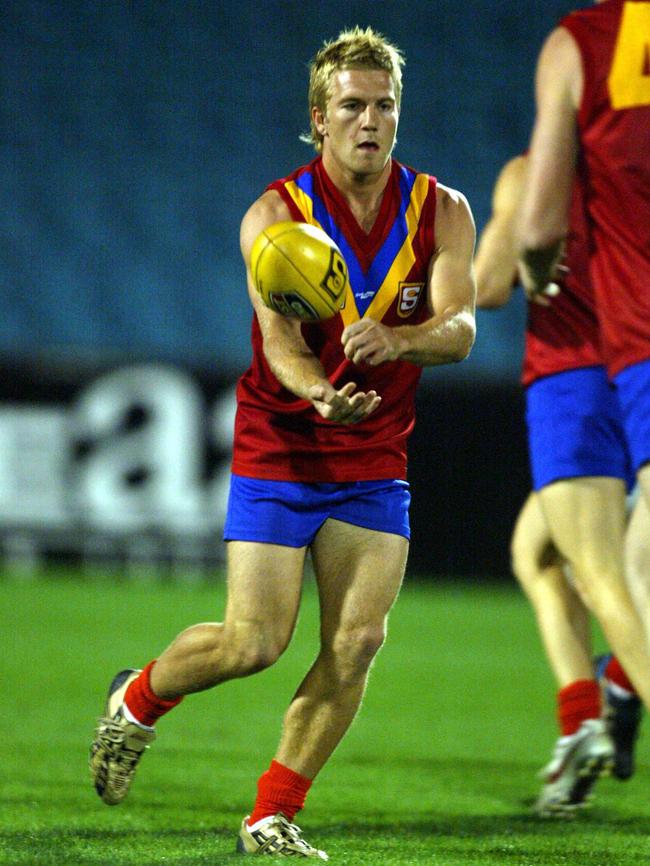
column 542, row 296
column 542, row 293
column 536, row 293
column 370, row 342
column 345, row 406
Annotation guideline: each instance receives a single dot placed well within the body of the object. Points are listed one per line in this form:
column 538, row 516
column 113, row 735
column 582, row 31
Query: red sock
column 615, row 674
column 576, row 703
column 279, row 790
column 143, row 704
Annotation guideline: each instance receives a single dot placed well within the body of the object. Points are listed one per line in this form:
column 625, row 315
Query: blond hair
column 352, row 49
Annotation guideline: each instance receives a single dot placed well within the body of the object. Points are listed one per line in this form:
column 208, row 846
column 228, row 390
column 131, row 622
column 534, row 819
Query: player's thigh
column 637, row 548
column 643, row 478
column 586, row 517
column 359, row 572
column 531, row 546
column 264, row 585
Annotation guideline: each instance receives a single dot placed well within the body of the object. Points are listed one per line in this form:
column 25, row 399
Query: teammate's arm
column 449, row 334
column 291, row 360
column 551, row 161
column 497, row 252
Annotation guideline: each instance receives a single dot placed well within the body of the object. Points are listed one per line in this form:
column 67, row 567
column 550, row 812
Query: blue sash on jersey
column 373, row 291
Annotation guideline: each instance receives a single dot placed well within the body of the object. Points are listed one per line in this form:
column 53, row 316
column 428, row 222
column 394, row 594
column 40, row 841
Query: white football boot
column 277, row 837
column 578, row 761
column 118, row 745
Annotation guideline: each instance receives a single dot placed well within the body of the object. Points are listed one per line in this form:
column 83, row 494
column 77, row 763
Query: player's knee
column 252, row 648
column 257, row 657
column 354, row 649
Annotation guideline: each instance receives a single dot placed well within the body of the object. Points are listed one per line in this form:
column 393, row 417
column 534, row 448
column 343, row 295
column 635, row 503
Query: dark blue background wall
column 136, row 134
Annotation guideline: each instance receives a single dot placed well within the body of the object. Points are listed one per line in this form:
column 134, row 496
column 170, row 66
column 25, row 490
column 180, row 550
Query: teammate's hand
column 537, row 289
column 541, row 296
column 345, row 406
column 370, row 342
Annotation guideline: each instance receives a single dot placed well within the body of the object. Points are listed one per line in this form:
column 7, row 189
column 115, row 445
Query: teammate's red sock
column 279, row 790
column 576, row 703
column 143, row 704
column 615, row 674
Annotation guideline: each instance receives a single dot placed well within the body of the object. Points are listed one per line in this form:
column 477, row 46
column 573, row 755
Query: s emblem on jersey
column 408, row 297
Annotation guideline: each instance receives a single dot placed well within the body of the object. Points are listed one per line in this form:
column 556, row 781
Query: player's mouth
column 370, row 146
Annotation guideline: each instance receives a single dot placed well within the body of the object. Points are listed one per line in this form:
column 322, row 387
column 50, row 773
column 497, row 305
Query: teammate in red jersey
column 575, row 438
column 593, row 123
column 319, row 457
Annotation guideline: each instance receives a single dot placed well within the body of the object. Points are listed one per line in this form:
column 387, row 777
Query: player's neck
column 363, row 192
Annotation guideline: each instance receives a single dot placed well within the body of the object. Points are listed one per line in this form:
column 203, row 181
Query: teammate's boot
column 577, row 763
column 622, row 717
column 277, row 837
column 118, row 745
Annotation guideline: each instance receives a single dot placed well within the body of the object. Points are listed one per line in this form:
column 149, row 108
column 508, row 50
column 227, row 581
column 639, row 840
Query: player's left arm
column 448, row 335
column 544, row 221
column 292, row 362
column 497, row 251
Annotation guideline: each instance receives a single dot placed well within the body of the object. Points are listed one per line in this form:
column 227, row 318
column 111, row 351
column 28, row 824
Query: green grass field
column 439, row 768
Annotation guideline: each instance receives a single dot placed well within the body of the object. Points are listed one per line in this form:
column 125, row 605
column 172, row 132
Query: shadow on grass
column 442, row 838
column 453, row 831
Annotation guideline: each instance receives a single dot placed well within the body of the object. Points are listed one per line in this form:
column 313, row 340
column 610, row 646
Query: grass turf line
column 439, row 768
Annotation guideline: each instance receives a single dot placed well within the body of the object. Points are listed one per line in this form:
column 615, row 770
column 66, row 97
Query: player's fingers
column 372, row 404
column 347, row 390
column 363, row 407
column 355, row 328
column 363, row 351
column 351, row 349
column 377, row 356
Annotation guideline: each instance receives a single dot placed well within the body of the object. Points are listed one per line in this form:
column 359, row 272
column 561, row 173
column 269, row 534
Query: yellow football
column 299, row 271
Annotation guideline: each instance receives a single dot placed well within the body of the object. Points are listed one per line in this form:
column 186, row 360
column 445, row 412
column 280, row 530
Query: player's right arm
column 497, row 254
column 544, row 218
column 293, row 363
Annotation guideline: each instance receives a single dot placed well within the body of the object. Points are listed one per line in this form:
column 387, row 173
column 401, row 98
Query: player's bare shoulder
column 454, row 219
column 265, row 211
column 559, row 72
column 510, row 182
column 451, row 202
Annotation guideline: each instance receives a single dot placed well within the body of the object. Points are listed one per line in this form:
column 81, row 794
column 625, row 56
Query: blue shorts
column 292, row 512
column 575, row 428
column 633, row 389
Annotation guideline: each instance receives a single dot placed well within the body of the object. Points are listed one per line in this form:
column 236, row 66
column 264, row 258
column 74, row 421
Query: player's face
column 360, row 122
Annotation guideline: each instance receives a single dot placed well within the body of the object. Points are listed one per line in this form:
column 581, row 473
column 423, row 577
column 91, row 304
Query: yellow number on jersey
column 629, row 77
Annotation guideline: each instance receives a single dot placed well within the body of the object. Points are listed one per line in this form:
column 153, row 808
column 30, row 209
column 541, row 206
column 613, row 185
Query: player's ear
column 319, row 120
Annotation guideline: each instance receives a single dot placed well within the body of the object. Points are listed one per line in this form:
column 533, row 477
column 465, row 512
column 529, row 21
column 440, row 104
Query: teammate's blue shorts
column 633, row 389
column 292, row 512
column 575, row 428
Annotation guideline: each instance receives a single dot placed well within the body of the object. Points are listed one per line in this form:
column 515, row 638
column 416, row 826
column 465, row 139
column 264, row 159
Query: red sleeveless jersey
column 279, row 436
column 565, row 335
column 614, row 129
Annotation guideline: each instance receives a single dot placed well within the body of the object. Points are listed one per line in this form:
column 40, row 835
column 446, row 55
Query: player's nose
column 369, row 118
